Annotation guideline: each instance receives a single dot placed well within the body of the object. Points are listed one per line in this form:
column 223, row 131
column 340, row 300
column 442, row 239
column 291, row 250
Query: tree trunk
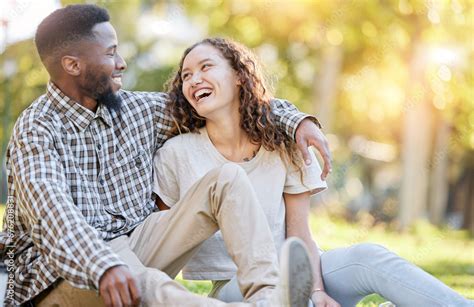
column 439, row 175
column 468, row 222
column 326, row 85
column 416, row 145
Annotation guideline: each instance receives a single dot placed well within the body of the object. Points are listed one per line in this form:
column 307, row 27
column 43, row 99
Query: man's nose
column 120, row 63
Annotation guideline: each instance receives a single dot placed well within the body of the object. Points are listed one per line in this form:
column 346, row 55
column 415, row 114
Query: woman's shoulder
column 183, row 141
column 182, row 152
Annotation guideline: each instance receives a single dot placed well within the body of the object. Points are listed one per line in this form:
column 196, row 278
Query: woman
column 219, row 97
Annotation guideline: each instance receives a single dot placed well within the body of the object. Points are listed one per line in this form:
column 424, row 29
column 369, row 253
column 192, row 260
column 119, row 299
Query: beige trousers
column 159, row 248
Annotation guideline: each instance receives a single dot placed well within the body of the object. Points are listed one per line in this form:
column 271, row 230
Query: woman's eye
column 185, row 77
column 205, row 66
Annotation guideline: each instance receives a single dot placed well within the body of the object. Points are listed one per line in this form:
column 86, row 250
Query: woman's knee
column 366, row 253
column 230, row 173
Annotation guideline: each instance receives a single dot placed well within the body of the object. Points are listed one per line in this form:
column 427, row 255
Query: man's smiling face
column 103, row 67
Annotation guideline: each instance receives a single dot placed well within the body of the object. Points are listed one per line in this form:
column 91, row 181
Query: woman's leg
column 354, row 272
column 226, row 291
column 223, row 199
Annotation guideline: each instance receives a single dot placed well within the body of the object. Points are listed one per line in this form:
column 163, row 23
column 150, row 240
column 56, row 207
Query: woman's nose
column 196, row 79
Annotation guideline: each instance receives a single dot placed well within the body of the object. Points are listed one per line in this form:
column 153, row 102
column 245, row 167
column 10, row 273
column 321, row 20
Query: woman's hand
column 321, row 299
column 308, row 134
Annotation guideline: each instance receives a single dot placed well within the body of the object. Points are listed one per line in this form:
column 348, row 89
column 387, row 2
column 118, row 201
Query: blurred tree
column 385, row 51
column 350, row 62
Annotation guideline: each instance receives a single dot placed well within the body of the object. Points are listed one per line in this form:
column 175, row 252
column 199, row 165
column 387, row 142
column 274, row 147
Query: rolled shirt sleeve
column 288, row 117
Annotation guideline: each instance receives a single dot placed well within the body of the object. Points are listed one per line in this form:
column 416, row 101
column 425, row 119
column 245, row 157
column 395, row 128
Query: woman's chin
column 203, row 111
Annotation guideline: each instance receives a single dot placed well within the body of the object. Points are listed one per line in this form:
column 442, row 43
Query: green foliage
column 201, row 287
column 294, row 39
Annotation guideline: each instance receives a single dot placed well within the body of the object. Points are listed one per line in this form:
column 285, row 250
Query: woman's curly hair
column 256, row 117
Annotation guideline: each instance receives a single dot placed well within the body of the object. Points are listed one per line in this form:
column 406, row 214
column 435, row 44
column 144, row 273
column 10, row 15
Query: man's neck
column 75, row 94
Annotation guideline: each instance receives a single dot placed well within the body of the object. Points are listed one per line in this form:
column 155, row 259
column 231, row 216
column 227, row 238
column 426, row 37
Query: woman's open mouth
column 202, row 94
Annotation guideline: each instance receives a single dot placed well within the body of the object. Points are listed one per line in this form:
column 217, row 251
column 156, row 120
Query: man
column 80, row 179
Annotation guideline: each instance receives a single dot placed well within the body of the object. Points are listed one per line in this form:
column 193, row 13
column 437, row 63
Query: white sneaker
column 296, row 276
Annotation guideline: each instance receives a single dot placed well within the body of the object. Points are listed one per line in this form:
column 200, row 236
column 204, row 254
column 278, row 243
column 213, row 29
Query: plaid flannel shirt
column 78, row 178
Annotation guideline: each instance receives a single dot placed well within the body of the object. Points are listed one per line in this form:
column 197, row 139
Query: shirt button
column 101, row 181
column 99, row 147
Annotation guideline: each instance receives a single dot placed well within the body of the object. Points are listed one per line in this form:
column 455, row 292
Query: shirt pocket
column 132, row 180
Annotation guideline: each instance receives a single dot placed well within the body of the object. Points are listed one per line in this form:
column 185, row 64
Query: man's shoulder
column 147, row 97
column 40, row 113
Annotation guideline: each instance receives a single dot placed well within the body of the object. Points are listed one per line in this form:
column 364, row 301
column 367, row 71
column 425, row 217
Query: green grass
column 444, row 253
column 447, row 254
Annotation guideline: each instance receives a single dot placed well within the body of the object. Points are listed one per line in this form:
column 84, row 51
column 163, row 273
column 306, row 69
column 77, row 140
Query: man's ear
column 71, row 65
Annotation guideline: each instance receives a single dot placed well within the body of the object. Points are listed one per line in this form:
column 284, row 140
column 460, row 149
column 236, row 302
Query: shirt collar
column 81, row 116
column 104, row 113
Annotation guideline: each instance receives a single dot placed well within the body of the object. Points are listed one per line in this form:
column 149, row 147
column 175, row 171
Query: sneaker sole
column 296, row 272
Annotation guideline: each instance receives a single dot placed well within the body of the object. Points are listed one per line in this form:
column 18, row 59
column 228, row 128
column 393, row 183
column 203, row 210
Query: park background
column 391, row 81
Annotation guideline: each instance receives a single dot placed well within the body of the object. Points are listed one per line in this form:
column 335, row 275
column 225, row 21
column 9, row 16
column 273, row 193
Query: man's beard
column 98, row 85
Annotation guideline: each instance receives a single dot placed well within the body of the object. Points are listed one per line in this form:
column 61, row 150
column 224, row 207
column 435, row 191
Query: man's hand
column 321, row 299
column 308, row 134
column 118, row 287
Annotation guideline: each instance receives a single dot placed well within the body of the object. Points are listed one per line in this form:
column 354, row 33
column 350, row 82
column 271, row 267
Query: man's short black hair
column 67, row 25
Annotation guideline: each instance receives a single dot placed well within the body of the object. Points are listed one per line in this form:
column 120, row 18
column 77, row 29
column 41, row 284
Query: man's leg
column 157, row 288
column 65, row 295
column 223, row 199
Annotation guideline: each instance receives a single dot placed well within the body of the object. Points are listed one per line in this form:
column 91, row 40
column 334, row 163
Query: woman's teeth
column 202, row 93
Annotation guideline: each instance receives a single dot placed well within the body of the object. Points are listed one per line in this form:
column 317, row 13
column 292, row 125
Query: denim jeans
column 351, row 273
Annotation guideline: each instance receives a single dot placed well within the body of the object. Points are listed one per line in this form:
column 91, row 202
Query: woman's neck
column 230, row 140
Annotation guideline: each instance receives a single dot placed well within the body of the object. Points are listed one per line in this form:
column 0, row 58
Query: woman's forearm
column 316, row 263
column 297, row 225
